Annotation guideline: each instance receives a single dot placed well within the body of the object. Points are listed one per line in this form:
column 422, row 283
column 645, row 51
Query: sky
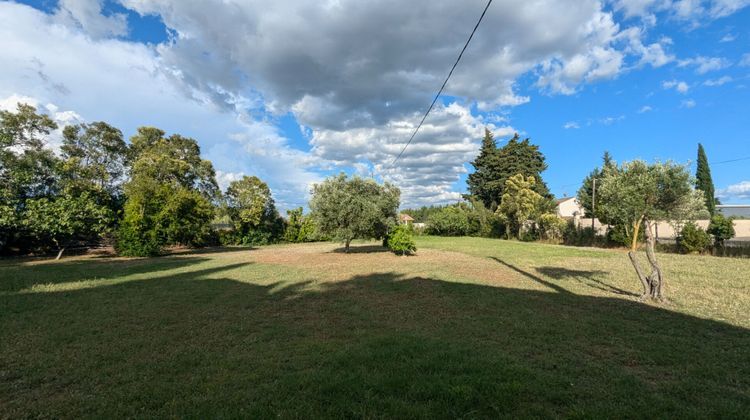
column 295, row 91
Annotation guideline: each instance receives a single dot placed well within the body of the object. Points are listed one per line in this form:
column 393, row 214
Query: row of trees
column 153, row 192
column 157, row 191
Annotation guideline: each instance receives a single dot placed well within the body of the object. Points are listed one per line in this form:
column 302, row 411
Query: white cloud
column 679, row 86
column 693, row 11
column 644, row 109
column 687, row 103
column 704, row 65
column 430, row 165
column 122, row 83
column 745, row 60
column 611, row 120
column 728, row 38
column 718, row 82
column 571, row 125
column 87, row 15
column 739, row 191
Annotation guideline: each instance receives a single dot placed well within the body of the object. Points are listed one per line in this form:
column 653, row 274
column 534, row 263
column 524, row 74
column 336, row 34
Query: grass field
column 467, row 328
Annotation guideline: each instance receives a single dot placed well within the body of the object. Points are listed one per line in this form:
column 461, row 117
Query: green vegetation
column 470, row 327
column 721, row 228
column 494, row 166
column 400, row 240
column 637, row 195
column 704, row 182
column 519, row 204
column 349, row 208
column 693, row 239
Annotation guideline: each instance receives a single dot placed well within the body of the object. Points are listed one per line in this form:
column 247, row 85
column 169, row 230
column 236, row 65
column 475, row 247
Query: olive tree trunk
column 654, row 282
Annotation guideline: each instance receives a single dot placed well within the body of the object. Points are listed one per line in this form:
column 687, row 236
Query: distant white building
column 569, row 208
column 734, row 210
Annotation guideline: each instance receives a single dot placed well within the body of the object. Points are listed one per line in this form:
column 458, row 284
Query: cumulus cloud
column 739, row 191
column 571, row 125
column 354, row 85
column 677, row 85
column 87, row 15
column 644, row 109
column 718, row 82
column 704, row 65
column 695, row 12
column 728, row 38
column 430, row 165
column 123, row 83
column 745, row 60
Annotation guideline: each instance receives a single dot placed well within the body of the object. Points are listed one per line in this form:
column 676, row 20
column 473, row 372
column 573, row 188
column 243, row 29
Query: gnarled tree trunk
column 654, row 282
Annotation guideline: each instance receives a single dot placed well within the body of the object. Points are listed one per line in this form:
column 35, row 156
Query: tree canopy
column 642, row 194
column 494, row 166
column 347, row 208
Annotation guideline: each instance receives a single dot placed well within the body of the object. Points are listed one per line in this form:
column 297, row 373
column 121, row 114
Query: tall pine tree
column 704, row 182
column 522, row 157
column 496, row 165
column 480, row 183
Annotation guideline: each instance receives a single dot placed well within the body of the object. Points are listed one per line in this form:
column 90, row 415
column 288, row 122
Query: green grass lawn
column 467, row 328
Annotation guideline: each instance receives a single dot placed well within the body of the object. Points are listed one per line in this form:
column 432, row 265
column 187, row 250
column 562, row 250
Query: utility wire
column 443, row 86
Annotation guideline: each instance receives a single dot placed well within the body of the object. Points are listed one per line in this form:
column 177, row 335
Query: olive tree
column 643, row 194
column 348, row 208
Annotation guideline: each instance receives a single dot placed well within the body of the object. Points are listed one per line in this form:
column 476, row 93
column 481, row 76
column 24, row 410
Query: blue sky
column 293, row 92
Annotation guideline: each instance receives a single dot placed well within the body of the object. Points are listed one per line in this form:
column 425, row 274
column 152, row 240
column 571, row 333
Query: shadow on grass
column 206, row 344
column 362, row 249
column 587, row 277
column 25, row 276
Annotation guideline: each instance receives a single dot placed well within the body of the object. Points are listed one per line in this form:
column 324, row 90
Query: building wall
column 569, row 208
column 666, row 231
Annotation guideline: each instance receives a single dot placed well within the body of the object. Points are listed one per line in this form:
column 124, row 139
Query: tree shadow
column 362, row 249
column 586, row 277
column 531, row 276
column 209, row 343
column 26, row 275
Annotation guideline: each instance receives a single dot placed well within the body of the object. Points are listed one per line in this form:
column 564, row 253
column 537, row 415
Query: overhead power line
column 443, row 86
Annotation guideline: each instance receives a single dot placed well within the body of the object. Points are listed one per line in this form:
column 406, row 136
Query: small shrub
column 693, row 239
column 551, row 226
column 577, row 236
column 400, row 240
column 133, row 242
column 721, row 228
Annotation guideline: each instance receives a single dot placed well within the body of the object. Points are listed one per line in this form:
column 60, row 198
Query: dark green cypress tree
column 703, row 180
column 521, row 157
column 480, row 182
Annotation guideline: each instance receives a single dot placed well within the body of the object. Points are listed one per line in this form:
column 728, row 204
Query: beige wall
column 666, row 231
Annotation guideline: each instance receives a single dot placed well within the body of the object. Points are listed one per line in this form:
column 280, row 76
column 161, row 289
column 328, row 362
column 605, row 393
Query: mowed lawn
column 467, row 328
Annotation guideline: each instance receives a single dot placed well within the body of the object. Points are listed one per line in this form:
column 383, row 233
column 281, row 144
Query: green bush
column 551, row 226
column 693, row 239
column 721, row 228
column 576, row 236
column 400, row 240
column 449, row 221
column 130, row 241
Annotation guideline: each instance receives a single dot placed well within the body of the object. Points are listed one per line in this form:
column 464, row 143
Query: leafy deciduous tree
column 348, row 208
column 253, row 212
